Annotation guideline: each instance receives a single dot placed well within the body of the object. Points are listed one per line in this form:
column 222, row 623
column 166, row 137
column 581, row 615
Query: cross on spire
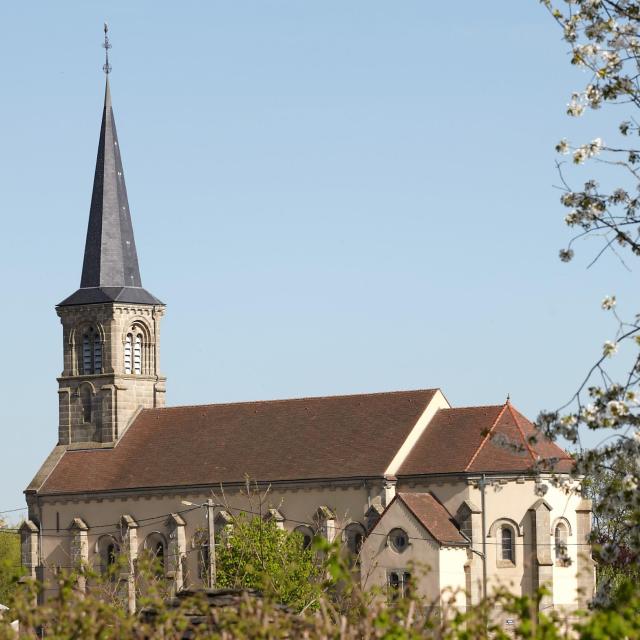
column 106, row 67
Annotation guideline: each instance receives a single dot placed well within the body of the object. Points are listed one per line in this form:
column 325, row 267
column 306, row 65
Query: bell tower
column 111, row 325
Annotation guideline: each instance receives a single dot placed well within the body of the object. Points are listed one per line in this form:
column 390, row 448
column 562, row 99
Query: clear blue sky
column 331, row 197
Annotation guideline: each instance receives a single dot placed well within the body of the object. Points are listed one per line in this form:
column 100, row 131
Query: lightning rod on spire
column 106, row 67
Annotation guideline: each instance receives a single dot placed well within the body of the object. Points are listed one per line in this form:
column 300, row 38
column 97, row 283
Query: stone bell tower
column 111, row 325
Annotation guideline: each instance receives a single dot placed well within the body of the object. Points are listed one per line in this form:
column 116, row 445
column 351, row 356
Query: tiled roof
column 481, row 439
column 307, row 438
column 433, row 517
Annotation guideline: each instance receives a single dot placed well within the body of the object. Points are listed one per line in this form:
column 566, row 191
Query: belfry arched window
column 91, row 360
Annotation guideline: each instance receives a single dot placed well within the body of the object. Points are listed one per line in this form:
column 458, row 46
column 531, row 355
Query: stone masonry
column 115, row 396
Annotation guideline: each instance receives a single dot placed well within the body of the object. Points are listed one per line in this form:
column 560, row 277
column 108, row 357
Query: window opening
column 127, row 353
column 137, row 355
column 561, row 544
column 398, row 583
column 398, row 540
column 97, row 354
column 507, row 544
column 85, row 400
column 86, row 355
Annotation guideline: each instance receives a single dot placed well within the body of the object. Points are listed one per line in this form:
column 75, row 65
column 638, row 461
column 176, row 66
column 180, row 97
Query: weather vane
column 106, row 67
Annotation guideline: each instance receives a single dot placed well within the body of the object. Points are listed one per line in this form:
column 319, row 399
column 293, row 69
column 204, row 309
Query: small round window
column 398, row 540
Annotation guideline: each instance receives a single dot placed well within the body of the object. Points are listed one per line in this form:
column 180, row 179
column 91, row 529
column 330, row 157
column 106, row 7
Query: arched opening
column 91, row 352
column 306, row 535
column 354, row 537
column 108, row 551
column 156, row 547
column 200, row 544
column 86, row 401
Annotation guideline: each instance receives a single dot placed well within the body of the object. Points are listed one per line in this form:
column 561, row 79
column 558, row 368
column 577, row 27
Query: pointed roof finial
column 508, row 398
column 106, row 67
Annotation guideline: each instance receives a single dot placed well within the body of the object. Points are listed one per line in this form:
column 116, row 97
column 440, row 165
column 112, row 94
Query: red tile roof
column 433, row 517
column 307, row 438
column 481, row 439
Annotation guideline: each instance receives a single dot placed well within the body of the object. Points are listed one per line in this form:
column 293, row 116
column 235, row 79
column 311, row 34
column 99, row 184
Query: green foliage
column 9, row 562
column 259, row 555
column 72, row 614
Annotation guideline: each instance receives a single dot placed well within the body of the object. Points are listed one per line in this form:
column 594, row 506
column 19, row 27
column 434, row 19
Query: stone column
column 586, row 566
column 80, row 550
column 29, row 547
column 177, row 551
column 469, row 517
column 542, row 564
column 276, row 516
column 326, row 521
column 130, row 544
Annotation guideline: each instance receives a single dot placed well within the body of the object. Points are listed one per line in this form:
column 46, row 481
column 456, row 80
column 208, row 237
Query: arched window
column 507, row 549
column 137, row 355
column 156, row 546
column 307, row 536
column 91, row 360
column 127, row 353
column 108, row 551
column 200, row 545
column 354, row 537
column 560, row 540
column 85, row 401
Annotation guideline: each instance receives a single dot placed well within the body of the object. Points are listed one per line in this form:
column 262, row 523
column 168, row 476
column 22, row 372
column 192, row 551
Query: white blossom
column 608, row 302
column 609, row 348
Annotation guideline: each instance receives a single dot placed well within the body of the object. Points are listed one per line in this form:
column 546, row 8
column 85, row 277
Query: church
column 401, row 479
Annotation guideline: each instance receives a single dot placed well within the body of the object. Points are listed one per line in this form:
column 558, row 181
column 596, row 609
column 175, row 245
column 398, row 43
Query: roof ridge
column 298, row 399
column 517, row 416
column 472, row 406
column 534, row 457
column 493, row 426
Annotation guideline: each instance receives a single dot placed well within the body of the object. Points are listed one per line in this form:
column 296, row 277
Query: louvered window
column 86, row 355
column 137, row 355
column 127, row 353
column 97, row 354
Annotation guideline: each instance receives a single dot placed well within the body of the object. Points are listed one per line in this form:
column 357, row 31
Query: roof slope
column 327, row 437
column 481, row 439
column 110, row 270
column 433, row 517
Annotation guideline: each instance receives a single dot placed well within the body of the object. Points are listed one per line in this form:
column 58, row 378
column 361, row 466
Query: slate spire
column 110, row 270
